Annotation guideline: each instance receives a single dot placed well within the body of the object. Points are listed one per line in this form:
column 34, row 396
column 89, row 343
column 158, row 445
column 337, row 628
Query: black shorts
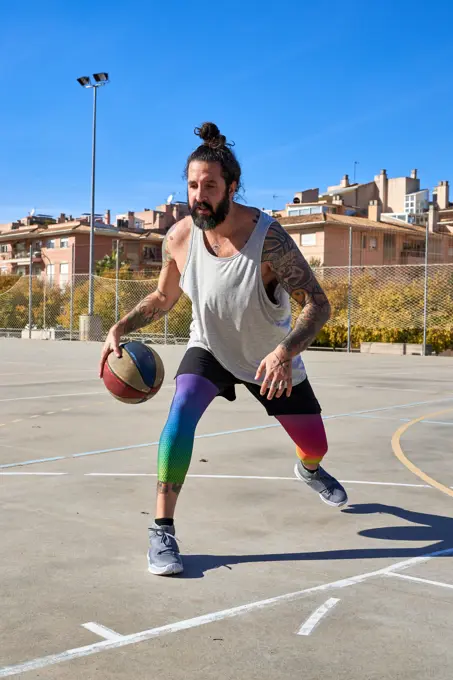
column 198, row 361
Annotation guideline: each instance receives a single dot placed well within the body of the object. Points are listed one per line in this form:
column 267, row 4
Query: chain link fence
column 400, row 303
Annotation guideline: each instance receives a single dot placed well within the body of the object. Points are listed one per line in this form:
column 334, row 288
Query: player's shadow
column 434, row 529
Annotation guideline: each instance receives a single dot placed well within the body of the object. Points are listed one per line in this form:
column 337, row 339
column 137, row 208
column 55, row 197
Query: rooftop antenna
column 355, row 164
column 171, row 197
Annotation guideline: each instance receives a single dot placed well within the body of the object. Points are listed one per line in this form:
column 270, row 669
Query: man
column 239, row 267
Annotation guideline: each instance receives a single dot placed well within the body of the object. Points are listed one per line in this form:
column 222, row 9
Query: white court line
column 102, row 631
column 310, row 624
column 50, row 396
column 290, row 479
column 39, row 474
column 153, row 474
column 134, row 638
column 39, row 383
column 30, row 374
column 215, row 434
column 422, row 580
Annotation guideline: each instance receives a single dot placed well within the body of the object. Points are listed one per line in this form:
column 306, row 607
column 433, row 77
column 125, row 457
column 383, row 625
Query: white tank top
column 232, row 315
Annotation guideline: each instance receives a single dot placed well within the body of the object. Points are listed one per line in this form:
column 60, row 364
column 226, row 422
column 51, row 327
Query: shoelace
column 329, row 481
column 166, row 539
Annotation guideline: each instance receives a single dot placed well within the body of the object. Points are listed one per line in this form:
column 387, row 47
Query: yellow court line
column 399, row 453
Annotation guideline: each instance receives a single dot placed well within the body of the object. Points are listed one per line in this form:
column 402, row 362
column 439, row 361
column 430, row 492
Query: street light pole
column 100, row 80
column 93, row 193
column 30, row 290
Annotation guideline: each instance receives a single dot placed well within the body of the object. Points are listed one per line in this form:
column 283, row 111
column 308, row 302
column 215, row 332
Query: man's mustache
column 203, row 206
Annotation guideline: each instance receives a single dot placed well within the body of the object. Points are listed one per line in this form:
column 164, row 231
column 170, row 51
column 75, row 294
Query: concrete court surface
column 277, row 584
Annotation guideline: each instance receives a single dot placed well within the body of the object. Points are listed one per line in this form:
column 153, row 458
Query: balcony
column 20, row 257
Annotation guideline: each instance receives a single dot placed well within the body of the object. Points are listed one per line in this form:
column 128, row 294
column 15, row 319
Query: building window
column 50, row 243
column 64, row 274
column 3, row 248
column 308, row 210
column 389, row 248
column 373, row 243
column 363, row 241
column 64, row 242
column 149, row 253
column 308, row 239
column 50, row 273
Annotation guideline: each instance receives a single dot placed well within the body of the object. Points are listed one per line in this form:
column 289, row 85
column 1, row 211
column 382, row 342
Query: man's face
column 208, row 196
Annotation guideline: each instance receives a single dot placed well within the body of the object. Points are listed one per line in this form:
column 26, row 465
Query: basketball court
column 277, row 584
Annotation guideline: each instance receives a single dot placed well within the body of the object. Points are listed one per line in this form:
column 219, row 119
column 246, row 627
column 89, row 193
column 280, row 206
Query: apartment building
column 160, row 219
column 388, row 218
column 61, row 247
column 397, row 198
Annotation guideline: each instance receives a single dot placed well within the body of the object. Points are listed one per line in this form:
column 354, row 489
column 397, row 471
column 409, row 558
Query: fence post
column 425, row 293
column 71, row 293
column 117, row 299
column 166, row 328
column 349, row 289
column 30, row 291
column 44, row 301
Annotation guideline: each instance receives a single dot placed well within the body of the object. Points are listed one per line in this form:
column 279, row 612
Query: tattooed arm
column 294, row 273
column 153, row 307
column 285, row 263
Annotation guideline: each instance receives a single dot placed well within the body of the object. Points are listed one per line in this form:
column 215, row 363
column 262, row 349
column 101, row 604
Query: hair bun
column 210, row 134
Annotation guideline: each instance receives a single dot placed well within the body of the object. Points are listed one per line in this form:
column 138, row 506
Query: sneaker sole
column 169, row 570
column 324, row 500
column 335, row 505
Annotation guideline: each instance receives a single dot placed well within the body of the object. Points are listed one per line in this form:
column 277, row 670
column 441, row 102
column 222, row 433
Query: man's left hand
column 277, row 369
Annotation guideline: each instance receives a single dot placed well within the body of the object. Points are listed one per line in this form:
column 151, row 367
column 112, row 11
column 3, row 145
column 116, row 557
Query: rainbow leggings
column 193, row 395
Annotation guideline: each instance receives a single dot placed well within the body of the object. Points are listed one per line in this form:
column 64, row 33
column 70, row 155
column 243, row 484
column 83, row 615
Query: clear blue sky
column 304, row 90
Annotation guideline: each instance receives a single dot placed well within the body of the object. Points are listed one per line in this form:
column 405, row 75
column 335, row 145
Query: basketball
column 136, row 376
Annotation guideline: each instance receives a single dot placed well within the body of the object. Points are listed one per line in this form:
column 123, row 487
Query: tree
column 107, row 267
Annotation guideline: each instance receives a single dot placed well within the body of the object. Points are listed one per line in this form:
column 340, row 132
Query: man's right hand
column 112, row 344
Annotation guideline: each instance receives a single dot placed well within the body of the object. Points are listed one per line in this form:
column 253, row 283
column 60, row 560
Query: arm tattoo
column 142, row 315
column 166, row 254
column 296, row 276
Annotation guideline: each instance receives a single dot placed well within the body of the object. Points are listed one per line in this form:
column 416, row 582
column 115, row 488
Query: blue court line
column 30, row 462
column 407, row 420
column 388, row 408
column 219, row 434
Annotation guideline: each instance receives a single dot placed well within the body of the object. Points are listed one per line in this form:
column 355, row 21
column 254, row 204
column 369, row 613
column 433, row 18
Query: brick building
column 324, row 238
column 388, row 217
column 61, row 247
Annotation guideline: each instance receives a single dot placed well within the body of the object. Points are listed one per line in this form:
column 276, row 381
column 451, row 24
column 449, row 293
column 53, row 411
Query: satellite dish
column 170, row 199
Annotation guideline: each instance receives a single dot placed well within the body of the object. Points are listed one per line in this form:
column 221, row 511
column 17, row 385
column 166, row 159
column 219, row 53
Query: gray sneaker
column 329, row 489
column 163, row 554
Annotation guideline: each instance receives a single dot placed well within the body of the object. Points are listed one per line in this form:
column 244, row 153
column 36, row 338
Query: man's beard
column 217, row 216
